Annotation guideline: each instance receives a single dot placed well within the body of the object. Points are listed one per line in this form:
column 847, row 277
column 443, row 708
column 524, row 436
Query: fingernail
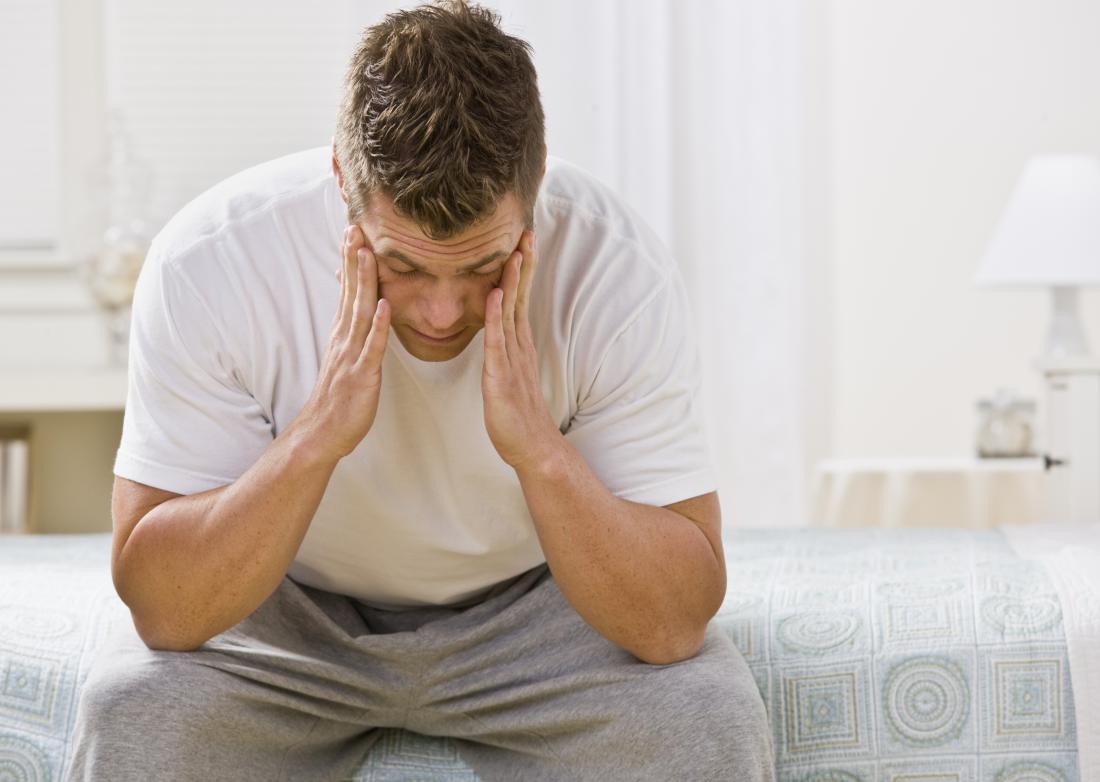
column 347, row 234
column 361, row 255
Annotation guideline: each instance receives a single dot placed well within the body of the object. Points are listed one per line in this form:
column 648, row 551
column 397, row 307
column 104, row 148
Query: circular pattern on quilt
column 819, row 632
column 1015, row 616
column 1029, row 771
column 21, row 761
column 926, row 701
column 38, row 623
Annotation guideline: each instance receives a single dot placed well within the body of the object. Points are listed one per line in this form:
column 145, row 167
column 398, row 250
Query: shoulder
column 608, row 263
column 605, row 273
column 244, row 205
column 572, row 196
column 231, row 256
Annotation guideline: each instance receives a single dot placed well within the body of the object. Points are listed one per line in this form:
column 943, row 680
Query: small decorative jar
column 1005, row 425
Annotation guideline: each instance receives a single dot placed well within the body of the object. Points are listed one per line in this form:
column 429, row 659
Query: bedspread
column 882, row 655
column 905, row 654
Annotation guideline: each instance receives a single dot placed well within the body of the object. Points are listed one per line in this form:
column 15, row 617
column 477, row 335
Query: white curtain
column 689, row 109
column 702, row 118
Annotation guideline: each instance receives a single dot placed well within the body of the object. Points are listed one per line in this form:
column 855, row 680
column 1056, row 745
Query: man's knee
column 735, row 714
column 117, row 692
column 711, row 707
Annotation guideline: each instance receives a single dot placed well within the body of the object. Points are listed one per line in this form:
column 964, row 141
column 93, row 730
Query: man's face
column 432, row 287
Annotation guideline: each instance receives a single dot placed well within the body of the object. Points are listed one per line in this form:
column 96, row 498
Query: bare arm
column 198, row 564
column 193, row 566
column 648, row 579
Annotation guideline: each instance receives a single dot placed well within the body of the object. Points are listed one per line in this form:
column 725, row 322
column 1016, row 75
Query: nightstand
column 1072, row 453
column 933, row 492
column 70, row 421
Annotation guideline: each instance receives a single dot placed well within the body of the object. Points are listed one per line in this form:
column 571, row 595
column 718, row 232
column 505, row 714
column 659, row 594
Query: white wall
column 935, row 106
column 915, row 119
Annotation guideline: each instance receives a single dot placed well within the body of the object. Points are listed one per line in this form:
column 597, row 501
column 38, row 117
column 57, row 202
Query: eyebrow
column 397, row 255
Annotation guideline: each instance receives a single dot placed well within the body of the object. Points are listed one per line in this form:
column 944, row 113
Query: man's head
column 440, row 150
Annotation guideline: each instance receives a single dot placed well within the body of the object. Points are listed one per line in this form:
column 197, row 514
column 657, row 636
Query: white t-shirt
column 232, row 313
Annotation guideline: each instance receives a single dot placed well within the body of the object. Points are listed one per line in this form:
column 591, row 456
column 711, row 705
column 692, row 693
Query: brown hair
column 441, row 113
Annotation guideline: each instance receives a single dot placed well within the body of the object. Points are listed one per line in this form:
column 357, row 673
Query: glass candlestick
column 111, row 276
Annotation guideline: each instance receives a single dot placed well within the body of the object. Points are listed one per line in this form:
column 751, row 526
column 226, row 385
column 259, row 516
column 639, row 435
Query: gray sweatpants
column 528, row 690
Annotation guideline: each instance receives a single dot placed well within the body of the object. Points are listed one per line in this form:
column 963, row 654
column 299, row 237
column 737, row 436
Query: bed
column 882, row 655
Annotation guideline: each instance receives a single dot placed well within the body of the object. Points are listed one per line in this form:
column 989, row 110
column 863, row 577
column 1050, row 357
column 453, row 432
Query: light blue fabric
column 903, row 654
column 882, row 655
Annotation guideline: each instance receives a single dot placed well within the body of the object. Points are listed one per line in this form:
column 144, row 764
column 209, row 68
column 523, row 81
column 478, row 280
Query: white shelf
column 951, row 464
column 950, row 491
column 60, row 390
column 1073, row 365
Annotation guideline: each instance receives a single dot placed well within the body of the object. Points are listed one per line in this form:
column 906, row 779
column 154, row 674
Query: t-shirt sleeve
column 639, row 425
column 189, row 424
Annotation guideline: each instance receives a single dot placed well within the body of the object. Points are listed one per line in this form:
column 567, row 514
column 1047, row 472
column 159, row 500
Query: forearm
column 645, row 577
column 196, row 565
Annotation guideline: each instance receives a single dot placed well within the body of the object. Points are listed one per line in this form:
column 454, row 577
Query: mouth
column 437, row 340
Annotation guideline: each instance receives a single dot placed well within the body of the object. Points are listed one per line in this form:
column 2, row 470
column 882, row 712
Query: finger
column 510, row 284
column 341, row 275
column 351, row 277
column 375, row 346
column 527, row 276
column 530, row 262
column 496, row 355
column 366, row 299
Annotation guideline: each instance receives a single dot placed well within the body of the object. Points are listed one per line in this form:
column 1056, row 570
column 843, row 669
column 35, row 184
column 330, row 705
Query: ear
column 337, row 172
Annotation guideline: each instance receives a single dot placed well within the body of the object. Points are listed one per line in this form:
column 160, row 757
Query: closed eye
column 474, row 273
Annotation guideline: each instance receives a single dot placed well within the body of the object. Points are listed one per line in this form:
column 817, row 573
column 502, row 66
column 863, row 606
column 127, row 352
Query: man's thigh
column 540, row 695
column 285, row 694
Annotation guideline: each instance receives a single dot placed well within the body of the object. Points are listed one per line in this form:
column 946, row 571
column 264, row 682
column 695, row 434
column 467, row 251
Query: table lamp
column 1050, row 236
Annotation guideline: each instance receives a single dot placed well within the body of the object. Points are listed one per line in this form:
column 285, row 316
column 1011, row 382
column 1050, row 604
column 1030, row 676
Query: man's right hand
column 344, row 401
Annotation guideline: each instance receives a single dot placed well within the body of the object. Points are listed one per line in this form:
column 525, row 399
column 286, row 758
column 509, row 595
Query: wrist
column 308, row 447
column 546, row 460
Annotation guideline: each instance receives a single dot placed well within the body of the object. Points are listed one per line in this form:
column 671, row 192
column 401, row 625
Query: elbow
column 158, row 637
column 672, row 650
column 683, row 639
column 147, row 617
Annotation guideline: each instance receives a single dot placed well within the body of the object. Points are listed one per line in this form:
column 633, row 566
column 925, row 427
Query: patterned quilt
column 881, row 655
column 903, row 655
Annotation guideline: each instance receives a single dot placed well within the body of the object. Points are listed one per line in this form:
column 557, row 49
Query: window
column 29, row 98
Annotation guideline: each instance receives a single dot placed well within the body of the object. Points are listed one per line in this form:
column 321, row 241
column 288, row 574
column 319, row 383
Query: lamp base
column 1065, row 337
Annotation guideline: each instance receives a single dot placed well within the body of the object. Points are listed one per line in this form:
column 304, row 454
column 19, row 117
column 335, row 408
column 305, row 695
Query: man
column 500, row 526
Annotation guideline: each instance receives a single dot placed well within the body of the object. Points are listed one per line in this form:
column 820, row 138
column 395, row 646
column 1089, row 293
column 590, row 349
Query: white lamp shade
column 1050, row 233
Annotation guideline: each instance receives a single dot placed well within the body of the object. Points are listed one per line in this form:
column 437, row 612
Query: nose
column 442, row 307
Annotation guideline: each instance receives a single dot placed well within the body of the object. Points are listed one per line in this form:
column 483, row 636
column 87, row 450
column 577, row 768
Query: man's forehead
column 382, row 223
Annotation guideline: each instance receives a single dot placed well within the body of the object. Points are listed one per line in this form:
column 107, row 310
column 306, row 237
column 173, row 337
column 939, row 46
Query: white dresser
column 1072, row 445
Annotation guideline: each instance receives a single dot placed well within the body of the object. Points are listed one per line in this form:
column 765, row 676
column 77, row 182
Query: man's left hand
column 516, row 418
